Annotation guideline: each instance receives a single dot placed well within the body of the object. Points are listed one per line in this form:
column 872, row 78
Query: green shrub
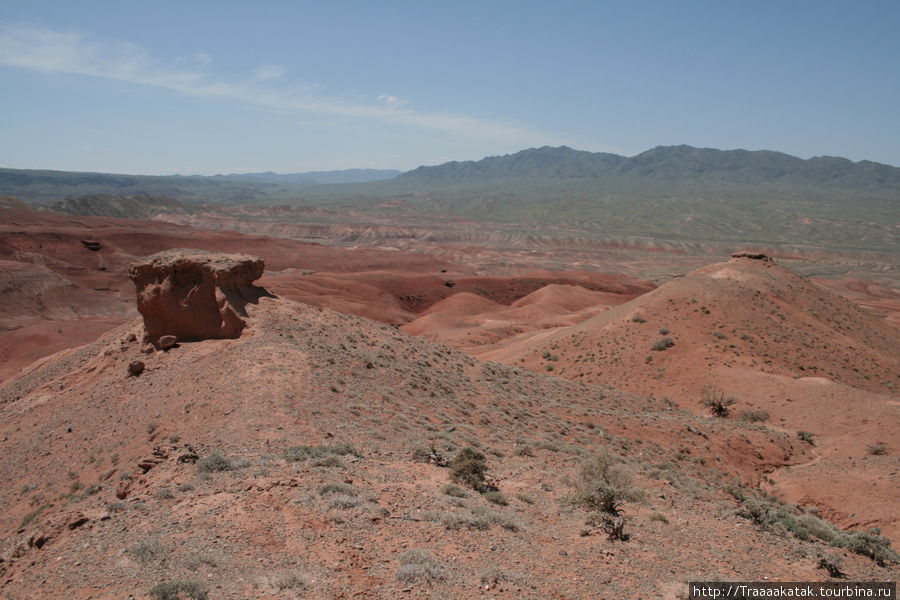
column 755, row 416
column 215, row 462
column 469, row 468
column 806, row 436
column 603, row 484
column 178, row 590
column 417, row 564
column 496, row 498
column 337, row 488
column 147, row 550
column 454, row 490
column 716, row 401
column 298, row 453
column 870, row 543
column 778, row 517
column 662, row 344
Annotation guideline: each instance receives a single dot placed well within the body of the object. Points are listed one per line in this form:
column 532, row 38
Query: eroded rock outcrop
column 195, row 295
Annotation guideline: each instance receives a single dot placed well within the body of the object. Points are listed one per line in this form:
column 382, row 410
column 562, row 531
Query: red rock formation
column 195, row 295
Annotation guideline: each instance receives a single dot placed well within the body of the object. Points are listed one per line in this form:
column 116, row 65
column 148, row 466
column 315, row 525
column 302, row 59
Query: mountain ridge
column 677, row 164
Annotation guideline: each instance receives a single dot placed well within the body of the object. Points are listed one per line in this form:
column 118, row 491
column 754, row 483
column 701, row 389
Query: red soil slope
column 97, row 500
column 774, row 341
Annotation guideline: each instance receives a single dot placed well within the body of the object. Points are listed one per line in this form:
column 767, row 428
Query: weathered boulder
column 194, row 294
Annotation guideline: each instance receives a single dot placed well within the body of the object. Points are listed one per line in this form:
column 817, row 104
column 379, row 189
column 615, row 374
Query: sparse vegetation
column 807, row 437
column 298, row 453
column 780, row 518
column 496, row 498
column 290, row 580
column 716, row 401
column 478, row 519
column 337, row 488
column 418, row 565
column 603, row 484
column 454, row 491
column 178, row 590
column 469, row 468
column 833, row 564
column 146, row 550
column 33, row 515
column 755, row 416
column 214, row 463
column 662, row 344
column 877, row 449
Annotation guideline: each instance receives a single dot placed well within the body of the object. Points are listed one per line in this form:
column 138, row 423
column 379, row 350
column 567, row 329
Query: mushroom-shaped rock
column 194, row 294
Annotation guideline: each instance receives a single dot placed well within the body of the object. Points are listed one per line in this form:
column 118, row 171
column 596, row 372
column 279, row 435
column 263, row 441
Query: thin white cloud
column 78, row 54
column 264, row 72
column 390, row 100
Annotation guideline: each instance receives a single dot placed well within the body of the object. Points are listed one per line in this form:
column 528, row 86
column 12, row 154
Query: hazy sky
column 165, row 87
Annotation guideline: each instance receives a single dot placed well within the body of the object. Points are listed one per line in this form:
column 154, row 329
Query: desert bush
column 33, row 515
column 215, row 462
column 755, row 416
column 337, row 488
column 877, row 449
column 290, row 580
column 164, row 493
column 454, row 490
column 178, row 590
column 662, row 344
column 479, row 519
column 833, row 564
column 806, row 436
column 417, row 565
column 820, row 528
column 869, row 543
column 773, row 515
column 147, row 550
column 495, row 576
column 603, row 484
column 716, row 401
column 344, row 502
column 496, row 498
column 298, row 453
column 469, row 468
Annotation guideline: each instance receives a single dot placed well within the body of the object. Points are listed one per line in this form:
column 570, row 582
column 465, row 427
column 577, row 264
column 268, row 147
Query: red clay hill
column 63, row 279
column 308, row 457
column 789, row 352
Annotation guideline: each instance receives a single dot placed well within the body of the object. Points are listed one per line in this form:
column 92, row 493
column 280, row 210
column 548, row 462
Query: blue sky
column 218, row 87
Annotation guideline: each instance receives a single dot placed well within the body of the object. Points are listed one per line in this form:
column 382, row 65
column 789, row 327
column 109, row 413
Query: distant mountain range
column 561, row 168
column 316, row 177
column 670, row 192
column 666, row 164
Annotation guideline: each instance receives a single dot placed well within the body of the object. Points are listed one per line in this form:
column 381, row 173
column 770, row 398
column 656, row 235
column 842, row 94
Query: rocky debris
column 77, row 521
column 195, row 295
column 751, row 255
column 135, row 368
column 124, row 489
column 167, row 342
